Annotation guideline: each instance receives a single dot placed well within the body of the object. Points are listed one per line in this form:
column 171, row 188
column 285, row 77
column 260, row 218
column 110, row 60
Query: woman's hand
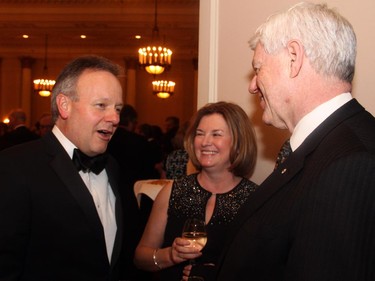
column 181, row 251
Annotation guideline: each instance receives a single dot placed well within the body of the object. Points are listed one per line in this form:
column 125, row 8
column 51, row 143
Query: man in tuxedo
column 313, row 218
column 60, row 217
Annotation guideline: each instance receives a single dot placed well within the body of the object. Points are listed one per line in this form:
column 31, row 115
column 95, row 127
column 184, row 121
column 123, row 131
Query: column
column 195, row 65
column 130, row 92
column 26, row 86
column 2, row 104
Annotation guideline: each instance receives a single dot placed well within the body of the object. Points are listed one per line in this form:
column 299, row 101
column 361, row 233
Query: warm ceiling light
column 83, row 36
column 155, row 58
column 137, row 36
column 44, row 86
column 163, row 89
column 25, row 36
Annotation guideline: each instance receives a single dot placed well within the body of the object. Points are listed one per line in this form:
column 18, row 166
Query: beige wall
column 225, row 59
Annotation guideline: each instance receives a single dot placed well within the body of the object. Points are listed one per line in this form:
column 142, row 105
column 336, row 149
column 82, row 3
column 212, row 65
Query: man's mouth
column 105, row 133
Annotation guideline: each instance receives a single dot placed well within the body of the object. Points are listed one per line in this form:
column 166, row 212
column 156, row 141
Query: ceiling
column 110, row 27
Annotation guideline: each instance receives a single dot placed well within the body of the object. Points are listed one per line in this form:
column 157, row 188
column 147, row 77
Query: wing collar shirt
column 101, row 192
column 314, row 118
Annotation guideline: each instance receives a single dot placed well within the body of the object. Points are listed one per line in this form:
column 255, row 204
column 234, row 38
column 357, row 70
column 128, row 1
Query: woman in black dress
column 221, row 144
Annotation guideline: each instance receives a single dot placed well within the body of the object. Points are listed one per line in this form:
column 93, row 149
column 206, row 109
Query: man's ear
column 296, row 53
column 63, row 105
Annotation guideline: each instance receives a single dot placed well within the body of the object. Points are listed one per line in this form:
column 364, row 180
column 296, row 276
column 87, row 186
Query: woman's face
column 212, row 143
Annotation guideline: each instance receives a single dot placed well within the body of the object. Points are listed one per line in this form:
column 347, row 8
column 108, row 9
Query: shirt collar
column 65, row 142
column 314, row 118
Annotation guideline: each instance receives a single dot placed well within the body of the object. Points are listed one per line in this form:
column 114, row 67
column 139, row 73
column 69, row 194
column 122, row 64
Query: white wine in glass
column 195, row 231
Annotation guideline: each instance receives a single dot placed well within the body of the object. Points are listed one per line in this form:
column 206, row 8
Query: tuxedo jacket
column 314, row 217
column 49, row 226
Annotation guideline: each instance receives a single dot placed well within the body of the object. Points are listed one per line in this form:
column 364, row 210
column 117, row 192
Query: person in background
column 177, row 160
column 132, row 152
column 45, row 124
column 172, row 124
column 156, row 152
column 313, row 217
column 221, row 144
column 157, row 133
column 3, row 128
column 18, row 132
column 60, row 213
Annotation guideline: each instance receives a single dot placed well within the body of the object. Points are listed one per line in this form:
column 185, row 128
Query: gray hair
column 328, row 38
column 67, row 80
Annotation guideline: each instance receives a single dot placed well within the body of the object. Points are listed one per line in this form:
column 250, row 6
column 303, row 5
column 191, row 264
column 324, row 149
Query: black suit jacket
column 134, row 156
column 49, row 226
column 314, row 217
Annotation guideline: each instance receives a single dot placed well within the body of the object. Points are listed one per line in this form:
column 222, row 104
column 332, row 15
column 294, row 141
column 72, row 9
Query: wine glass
column 195, row 231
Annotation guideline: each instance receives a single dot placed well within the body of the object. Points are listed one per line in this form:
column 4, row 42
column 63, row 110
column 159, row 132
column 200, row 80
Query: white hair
column 328, row 38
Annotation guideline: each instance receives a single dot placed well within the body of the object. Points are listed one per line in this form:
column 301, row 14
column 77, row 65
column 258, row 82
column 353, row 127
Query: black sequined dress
column 188, row 200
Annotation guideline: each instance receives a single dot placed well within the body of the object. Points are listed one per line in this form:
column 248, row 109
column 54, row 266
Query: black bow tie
column 86, row 163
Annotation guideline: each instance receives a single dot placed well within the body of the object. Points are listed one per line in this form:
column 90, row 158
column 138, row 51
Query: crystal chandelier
column 155, row 58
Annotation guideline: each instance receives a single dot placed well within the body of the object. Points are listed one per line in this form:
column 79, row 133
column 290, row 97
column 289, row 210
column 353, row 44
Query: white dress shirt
column 314, row 118
column 101, row 192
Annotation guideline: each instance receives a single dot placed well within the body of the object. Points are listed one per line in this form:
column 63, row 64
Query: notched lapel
column 272, row 184
column 277, row 179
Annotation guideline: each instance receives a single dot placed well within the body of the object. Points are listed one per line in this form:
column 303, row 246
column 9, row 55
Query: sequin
column 189, row 199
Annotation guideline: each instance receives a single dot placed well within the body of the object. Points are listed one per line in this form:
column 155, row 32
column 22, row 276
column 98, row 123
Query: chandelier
column 163, row 89
column 43, row 86
column 155, row 58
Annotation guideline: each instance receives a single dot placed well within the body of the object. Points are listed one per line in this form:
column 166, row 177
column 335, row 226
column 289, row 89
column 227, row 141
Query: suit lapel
column 64, row 168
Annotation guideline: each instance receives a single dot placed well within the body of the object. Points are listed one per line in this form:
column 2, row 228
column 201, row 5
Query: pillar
column 131, row 68
column 195, row 65
column 2, row 104
column 26, row 86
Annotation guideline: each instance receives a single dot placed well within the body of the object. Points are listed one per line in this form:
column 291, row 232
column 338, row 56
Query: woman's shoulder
column 249, row 184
